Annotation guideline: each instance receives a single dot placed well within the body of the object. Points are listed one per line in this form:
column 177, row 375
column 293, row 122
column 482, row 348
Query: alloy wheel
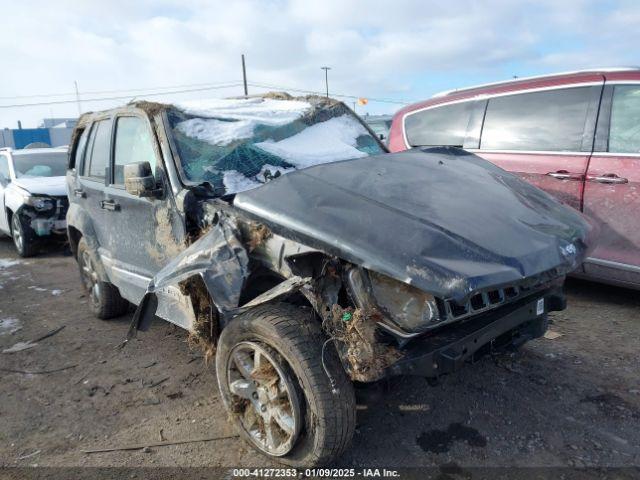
column 264, row 398
column 16, row 232
column 90, row 278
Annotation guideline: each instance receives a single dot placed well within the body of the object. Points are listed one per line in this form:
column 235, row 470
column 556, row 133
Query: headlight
column 39, row 203
column 409, row 308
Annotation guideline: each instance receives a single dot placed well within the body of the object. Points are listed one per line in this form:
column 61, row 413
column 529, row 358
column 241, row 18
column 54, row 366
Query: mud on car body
column 33, row 197
column 301, row 254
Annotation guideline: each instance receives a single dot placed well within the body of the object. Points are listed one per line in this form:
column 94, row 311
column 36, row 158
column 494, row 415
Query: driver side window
column 134, row 143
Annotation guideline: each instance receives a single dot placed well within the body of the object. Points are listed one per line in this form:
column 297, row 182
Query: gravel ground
column 572, row 400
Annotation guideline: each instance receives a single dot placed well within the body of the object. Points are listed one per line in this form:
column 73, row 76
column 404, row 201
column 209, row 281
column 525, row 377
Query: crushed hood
column 54, row 186
column 441, row 219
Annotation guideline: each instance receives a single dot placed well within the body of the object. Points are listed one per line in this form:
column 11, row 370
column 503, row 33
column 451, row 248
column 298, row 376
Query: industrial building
column 55, row 132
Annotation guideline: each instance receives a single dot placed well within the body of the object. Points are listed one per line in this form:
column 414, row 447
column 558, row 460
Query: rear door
column 544, row 136
column 612, row 188
column 91, row 183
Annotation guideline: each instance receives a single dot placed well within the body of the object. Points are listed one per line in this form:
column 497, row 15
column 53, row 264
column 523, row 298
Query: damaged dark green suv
column 285, row 238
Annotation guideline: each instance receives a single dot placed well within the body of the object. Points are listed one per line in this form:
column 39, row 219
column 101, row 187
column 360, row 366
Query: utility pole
column 244, row 77
column 78, row 98
column 326, row 78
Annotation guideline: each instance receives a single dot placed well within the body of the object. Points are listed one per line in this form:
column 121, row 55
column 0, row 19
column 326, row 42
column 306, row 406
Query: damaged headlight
column 411, row 309
column 39, row 203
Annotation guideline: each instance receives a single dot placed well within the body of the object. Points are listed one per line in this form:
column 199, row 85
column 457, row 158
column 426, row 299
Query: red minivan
column 575, row 135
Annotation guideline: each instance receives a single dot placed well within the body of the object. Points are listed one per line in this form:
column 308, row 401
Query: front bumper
column 48, row 226
column 45, row 222
column 448, row 350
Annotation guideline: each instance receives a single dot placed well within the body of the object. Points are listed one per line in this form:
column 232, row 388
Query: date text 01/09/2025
column 314, row 472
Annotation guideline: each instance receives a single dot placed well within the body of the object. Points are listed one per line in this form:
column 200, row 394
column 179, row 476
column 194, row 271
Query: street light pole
column 78, row 98
column 326, row 78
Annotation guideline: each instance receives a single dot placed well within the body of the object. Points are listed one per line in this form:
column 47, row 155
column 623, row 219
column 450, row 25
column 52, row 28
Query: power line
column 125, row 97
column 205, row 87
column 103, row 92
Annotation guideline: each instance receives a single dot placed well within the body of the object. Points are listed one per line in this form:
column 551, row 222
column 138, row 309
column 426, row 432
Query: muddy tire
column 104, row 298
column 24, row 238
column 270, row 360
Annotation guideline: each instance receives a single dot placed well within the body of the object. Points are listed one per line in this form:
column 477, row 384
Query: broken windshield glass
column 240, row 144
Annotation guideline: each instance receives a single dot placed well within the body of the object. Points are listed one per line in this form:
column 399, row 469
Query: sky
column 399, row 51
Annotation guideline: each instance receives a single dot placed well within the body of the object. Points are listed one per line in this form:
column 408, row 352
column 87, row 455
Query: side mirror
column 139, row 180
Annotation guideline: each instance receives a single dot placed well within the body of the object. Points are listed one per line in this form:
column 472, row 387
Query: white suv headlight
column 409, row 308
column 39, row 203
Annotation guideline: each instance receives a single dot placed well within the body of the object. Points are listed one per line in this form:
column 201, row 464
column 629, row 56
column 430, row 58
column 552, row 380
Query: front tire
column 23, row 237
column 271, row 379
column 104, row 298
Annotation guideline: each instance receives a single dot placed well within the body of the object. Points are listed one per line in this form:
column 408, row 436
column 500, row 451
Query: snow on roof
column 228, row 120
column 266, row 110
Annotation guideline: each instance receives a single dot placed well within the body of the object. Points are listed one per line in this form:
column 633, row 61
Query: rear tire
column 104, row 298
column 321, row 421
column 23, row 237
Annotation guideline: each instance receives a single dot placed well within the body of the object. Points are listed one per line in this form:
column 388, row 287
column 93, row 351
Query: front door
column 144, row 233
column 612, row 188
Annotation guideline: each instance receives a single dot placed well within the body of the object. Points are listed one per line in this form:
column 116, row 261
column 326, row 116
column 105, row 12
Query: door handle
column 564, row 175
column 610, row 178
column 78, row 192
column 109, row 205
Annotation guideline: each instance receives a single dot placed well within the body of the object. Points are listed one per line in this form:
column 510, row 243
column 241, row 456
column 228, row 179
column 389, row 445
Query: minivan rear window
column 552, row 120
column 445, row 125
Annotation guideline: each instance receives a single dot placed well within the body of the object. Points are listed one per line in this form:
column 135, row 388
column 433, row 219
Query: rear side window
column 446, row 125
column 97, row 159
column 134, row 143
column 552, row 120
column 78, row 153
column 624, row 133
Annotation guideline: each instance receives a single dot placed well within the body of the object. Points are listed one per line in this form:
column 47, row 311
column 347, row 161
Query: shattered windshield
column 239, row 144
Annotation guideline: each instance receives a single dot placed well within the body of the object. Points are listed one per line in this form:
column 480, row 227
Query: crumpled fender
column 218, row 257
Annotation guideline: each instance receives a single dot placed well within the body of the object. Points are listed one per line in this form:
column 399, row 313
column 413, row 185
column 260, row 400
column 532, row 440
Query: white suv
column 33, row 196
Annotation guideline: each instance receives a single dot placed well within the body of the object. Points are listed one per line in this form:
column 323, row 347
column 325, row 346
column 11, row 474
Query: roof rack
column 534, row 77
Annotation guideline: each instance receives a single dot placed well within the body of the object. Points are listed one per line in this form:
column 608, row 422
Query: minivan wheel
column 280, row 399
column 23, row 237
column 104, row 298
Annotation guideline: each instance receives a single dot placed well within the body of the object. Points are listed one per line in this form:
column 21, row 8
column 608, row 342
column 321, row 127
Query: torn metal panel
column 288, row 286
column 218, row 257
column 441, row 219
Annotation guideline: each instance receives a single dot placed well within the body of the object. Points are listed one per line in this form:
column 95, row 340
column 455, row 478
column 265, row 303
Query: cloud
column 401, row 49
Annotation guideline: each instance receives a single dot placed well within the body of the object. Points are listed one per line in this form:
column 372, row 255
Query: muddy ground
column 570, row 400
